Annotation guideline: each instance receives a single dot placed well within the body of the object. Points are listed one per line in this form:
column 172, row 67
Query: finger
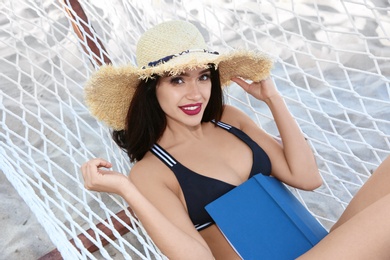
column 242, row 83
column 267, row 78
column 239, row 80
column 92, row 166
column 97, row 163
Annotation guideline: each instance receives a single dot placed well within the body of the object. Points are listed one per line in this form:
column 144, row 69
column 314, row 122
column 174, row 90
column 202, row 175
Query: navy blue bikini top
column 200, row 190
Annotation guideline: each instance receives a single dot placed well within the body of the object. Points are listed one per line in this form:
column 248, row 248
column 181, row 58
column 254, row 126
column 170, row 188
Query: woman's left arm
column 293, row 162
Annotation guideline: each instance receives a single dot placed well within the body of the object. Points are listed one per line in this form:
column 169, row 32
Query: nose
column 193, row 90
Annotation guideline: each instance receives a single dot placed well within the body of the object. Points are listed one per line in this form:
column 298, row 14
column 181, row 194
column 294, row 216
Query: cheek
column 206, row 92
column 166, row 98
column 161, row 97
column 159, row 94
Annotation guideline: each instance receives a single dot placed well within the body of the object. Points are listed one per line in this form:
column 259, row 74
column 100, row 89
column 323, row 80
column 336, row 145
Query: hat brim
column 109, row 91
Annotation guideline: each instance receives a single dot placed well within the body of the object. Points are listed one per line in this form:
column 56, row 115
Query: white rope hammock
column 332, row 67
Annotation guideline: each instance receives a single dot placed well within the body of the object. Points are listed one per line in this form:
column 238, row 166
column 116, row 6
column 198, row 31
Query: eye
column 204, row 77
column 177, row 80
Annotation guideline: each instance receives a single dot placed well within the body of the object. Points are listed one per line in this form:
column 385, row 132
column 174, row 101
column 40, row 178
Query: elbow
column 312, row 183
column 312, row 186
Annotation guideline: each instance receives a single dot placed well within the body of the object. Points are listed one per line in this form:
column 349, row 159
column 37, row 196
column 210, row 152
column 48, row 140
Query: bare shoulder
column 235, row 117
column 150, row 173
column 239, row 119
column 158, row 184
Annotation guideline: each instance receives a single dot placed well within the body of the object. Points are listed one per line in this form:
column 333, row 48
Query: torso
column 200, row 189
column 216, row 154
column 224, row 158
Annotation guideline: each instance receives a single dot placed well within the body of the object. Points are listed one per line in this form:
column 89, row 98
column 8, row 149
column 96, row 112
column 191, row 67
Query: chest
column 221, row 156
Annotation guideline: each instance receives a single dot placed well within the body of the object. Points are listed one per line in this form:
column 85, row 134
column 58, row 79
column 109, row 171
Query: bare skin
column 363, row 231
column 153, row 192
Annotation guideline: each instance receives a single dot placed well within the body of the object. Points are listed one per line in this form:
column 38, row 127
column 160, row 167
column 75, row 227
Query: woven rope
column 331, row 68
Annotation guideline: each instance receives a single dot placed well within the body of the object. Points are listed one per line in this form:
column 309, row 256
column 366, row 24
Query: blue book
column 262, row 219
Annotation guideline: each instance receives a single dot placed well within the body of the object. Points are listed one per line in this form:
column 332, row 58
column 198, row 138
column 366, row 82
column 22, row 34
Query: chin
column 193, row 121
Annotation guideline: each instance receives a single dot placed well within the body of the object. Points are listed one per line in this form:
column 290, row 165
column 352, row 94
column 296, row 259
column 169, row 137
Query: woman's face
column 184, row 97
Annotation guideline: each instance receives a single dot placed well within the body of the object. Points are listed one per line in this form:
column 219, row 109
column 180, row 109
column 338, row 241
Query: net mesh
column 332, row 66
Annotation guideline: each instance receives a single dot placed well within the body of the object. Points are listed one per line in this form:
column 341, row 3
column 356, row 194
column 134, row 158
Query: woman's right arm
column 155, row 204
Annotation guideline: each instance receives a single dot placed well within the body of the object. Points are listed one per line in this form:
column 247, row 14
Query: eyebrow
column 201, row 72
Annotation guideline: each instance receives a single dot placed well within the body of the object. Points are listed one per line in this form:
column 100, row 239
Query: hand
column 262, row 90
column 97, row 179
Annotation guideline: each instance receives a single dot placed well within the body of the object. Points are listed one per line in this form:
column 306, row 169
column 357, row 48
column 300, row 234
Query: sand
column 22, row 236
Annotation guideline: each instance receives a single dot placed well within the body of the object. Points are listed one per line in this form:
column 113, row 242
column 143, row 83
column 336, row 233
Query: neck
column 176, row 132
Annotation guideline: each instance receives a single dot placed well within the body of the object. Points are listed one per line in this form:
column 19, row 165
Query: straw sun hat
column 170, row 47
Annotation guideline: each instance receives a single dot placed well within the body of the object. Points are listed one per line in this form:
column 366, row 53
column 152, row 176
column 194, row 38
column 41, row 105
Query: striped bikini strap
column 163, row 155
column 222, row 125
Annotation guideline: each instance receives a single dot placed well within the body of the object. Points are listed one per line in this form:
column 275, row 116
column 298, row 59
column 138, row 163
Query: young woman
column 189, row 148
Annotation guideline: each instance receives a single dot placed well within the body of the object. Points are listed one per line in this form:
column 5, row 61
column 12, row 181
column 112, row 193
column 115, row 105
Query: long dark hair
column 146, row 121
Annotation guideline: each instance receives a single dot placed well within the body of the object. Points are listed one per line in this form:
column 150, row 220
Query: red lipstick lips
column 192, row 109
